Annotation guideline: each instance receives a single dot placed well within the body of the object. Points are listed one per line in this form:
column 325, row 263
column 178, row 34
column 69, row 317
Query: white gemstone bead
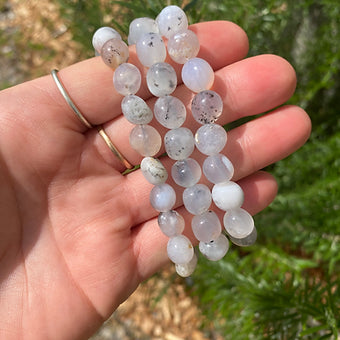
column 179, row 143
column 197, row 75
column 170, row 112
column 215, row 250
column 186, row 269
column 102, row 35
column 210, row 139
column 171, row 20
column 197, row 199
column 206, row 227
column 138, row 27
column 186, row 173
column 153, row 170
column 161, row 79
column 136, row 110
column 127, row 79
column 114, row 53
column 206, row 107
column 145, row 139
column 227, row 195
column 183, row 46
column 150, row 49
column 180, row 250
column 162, row 197
column 218, row 169
column 171, row 223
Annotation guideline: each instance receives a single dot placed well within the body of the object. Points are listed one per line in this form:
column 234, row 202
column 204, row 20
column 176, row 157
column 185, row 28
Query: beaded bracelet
column 179, row 142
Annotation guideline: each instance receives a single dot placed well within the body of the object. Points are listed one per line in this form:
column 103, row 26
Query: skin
column 77, row 237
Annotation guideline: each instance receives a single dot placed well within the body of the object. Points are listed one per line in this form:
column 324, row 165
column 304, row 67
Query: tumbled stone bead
column 150, row 49
column 186, row 269
column 136, row 110
column 170, row 112
column 146, row 140
column 171, row 223
column 186, row 173
column 138, row 27
column 171, row 20
column 161, row 79
column 114, row 52
column 162, row 197
column 197, row 75
column 206, row 107
column 102, row 35
column 197, row 199
column 127, row 79
column 210, row 139
column 183, row 46
column 206, row 227
column 227, row 195
column 218, row 169
column 179, row 143
column 215, row 250
column 153, row 170
column 180, row 249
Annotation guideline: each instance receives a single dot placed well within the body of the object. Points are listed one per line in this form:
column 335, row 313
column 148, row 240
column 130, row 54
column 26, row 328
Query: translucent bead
column 215, row 250
column 136, row 110
column 102, row 35
column 186, row 173
column 145, row 139
column 162, row 197
column 183, row 46
column 153, row 170
column 197, row 75
column 206, row 107
column 210, row 139
column 171, row 20
column 138, row 27
column 161, row 79
column 150, row 49
column 206, row 227
column 179, row 143
column 218, row 169
column 127, row 79
column 227, row 195
column 197, row 199
column 171, row 223
column 114, row 52
column 186, row 269
column 180, row 250
column 170, row 112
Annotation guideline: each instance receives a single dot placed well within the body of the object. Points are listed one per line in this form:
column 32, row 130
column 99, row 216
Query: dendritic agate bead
column 206, row 227
column 171, row 223
column 150, row 49
column 227, row 195
column 162, row 197
column 183, row 46
column 114, row 52
column 170, row 112
column 218, row 169
column 186, row 173
column 197, row 199
column 206, row 107
column 146, row 140
column 153, row 170
column 180, row 249
column 179, row 143
column 138, row 27
column 136, row 110
column 197, row 75
column 171, row 20
column 102, row 35
column 210, row 139
column 215, row 250
column 186, row 269
column 127, row 79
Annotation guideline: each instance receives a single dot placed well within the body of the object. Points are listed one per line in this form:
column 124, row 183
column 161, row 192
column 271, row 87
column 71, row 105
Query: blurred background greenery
column 287, row 285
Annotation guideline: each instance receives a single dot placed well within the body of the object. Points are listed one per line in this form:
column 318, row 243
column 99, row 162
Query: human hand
column 77, row 237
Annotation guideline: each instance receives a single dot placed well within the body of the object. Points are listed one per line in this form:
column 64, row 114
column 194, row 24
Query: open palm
column 76, row 236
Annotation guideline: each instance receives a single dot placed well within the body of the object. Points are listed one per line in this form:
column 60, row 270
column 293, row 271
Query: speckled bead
column 150, row 49
column 179, row 143
column 102, row 35
column 140, row 26
column 114, row 53
column 136, row 110
column 153, row 170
